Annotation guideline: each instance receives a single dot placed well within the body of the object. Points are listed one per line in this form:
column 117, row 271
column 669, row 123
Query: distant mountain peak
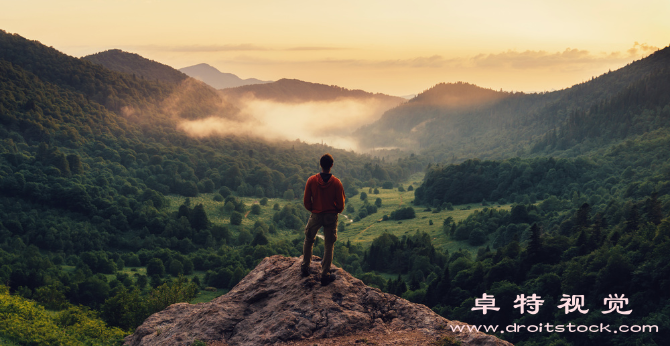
column 217, row 79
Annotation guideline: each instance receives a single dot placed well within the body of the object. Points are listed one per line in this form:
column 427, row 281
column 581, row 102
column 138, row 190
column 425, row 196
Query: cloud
column 231, row 48
column 205, row 48
column 568, row 59
column 307, row 48
column 643, row 48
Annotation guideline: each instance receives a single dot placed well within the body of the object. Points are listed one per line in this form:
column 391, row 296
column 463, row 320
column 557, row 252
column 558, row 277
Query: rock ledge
column 275, row 305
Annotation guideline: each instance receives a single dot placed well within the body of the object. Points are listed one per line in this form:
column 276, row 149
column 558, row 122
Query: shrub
column 403, row 213
column 236, row 218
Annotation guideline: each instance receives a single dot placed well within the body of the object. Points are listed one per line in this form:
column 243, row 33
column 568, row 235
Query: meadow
column 361, row 232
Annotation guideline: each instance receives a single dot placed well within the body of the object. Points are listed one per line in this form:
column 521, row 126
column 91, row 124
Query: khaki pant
column 329, row 223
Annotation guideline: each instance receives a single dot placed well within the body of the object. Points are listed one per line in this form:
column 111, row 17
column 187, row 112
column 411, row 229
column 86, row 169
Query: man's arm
column 339, row 198
column 307, row 196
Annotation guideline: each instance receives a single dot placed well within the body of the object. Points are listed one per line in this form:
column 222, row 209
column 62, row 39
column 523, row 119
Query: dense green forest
column 91, row 162
column 87, row 158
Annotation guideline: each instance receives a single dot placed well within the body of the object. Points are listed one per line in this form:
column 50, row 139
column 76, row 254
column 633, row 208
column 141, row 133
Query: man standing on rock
column 324, row 197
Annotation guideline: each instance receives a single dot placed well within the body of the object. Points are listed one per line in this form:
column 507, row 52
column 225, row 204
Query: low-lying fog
column 330, row 122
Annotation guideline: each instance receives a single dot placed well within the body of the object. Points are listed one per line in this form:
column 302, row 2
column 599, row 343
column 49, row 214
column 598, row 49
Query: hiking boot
column 304, row 270
column 326, row 279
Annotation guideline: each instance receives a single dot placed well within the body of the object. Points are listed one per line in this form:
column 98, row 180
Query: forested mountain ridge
column 122, row 93
column 296, row 91
column 131, row 63
column 515, row 123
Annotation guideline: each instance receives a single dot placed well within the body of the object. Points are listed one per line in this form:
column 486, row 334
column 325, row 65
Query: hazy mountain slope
column 131, row 63
column 111, row 89
column 505, row 125
column 297, row 91
column 217, row 79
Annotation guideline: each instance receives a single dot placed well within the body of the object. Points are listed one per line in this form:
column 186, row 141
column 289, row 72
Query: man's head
column 326, row 162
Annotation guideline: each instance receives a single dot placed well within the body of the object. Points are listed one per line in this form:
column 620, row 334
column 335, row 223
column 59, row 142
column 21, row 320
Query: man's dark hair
column 326, row 161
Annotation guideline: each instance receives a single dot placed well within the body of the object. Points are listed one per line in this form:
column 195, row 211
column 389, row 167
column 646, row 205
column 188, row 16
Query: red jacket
column 324, row 197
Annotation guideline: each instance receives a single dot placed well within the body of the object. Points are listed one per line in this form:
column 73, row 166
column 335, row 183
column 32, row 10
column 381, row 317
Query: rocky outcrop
column 275, row 305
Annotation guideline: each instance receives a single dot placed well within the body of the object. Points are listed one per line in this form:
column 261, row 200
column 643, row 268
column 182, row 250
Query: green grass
column 370, row 227
column 361, row 232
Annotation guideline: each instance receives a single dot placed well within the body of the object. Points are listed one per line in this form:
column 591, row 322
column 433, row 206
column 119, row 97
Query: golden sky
column 394, row 47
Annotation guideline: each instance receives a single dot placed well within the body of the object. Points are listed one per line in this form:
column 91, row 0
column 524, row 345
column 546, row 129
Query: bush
column 410, row 188
column 264, row 201
column 288, row 194
column 236, row 218
column 176, row 268
column 403, row 213
column 256, row 209
column 275, row 207
column 364, row 196
column 225, row 191
column 387, row 185
column 378, row 202
column 376, row 191
column 155, row 267
column 401, row 189
column 228, row 207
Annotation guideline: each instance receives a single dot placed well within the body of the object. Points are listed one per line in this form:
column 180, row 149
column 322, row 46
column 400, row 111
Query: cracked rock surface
column 273, row 304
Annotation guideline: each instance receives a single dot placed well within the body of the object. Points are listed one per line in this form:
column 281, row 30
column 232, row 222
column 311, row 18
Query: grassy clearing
column 361, row 232
column 370, row 227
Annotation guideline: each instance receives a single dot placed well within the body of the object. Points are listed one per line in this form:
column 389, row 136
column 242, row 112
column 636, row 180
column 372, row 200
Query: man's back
column 324, row 193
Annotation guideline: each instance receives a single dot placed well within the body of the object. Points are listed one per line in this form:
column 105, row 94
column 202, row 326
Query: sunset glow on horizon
column 392, row 47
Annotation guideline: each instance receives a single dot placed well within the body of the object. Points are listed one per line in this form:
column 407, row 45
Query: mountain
column 273, row 304
column 217, row 79
column 441, row 121
column 131, row 63
column 297, row 91
column 122, row 93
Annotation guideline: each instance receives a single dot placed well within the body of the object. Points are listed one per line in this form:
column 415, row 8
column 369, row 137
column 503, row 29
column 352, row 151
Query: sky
column 393, row 47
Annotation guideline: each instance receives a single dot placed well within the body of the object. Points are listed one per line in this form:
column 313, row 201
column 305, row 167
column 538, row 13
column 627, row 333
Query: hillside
column 89, row 161
column 515, row 124
column 273, row 304
column 134, row 64
column 297, row 91
column 217, row 79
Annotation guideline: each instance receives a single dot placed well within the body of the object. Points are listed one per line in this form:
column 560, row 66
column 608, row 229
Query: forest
column 92, row 240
